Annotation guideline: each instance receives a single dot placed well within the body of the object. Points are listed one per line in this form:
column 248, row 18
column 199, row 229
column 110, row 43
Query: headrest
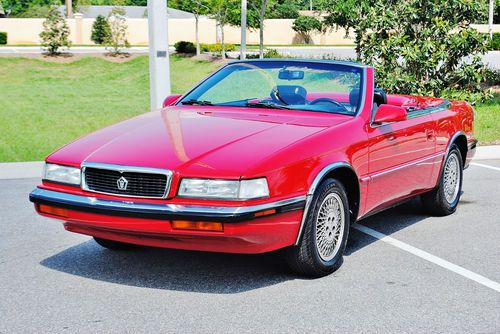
column 354, row 97
column 290, row 94
column 379, row 96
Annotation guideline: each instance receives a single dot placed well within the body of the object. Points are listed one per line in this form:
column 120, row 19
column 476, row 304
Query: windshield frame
column 346, row 64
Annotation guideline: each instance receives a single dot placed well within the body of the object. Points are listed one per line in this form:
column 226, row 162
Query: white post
column 78, row 28
column 159, row 66
column 243, row 43
column 490, row 19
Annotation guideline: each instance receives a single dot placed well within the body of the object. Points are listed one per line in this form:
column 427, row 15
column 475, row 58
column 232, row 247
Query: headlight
column 224, row 189
column 62, row 174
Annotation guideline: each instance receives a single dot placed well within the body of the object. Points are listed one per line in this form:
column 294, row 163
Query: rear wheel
column 443, row 200
column 321, row 249
column 114, row 245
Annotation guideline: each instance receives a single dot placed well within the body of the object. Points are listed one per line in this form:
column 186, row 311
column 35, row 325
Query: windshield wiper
column 270, row 105
column 197, row 103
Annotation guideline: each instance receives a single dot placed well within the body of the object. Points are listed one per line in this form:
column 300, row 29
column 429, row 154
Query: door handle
column 391, row 138
column 430, row 134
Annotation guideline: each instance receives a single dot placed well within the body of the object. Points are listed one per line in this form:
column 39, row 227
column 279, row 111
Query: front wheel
column 443, row 200
column 321, row 249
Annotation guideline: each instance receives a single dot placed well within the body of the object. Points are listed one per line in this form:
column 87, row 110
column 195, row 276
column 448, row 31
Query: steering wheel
column 327, row 100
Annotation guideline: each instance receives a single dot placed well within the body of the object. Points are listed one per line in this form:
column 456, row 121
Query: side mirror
column 170, row 100
column 387, row 113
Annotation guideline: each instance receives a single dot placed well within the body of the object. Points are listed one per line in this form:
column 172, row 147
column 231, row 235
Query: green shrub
column 494, row 44
column 492, row 77
column 116, row 41
column 269, row 53
column 55, row 34
column 3, row 37
column 185, row 47
column 100, row 30
column 272, row 53
column 217, row 47
column 416, row 51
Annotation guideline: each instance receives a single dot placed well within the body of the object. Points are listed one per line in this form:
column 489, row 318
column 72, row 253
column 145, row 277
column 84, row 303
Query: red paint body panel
column 392, row 161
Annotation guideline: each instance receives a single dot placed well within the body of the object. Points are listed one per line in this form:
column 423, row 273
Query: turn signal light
column 52, row 210
column 197, row 226
column 265, row 213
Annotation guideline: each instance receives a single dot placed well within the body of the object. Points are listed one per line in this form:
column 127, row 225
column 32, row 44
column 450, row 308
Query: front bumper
column 245, row 229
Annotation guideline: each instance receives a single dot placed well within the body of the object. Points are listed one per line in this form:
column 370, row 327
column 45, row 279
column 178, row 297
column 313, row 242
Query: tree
column 260, row 7
column 256, row 14
column 221, row 11
column 416, row 46
column 2, row 11
column 100, row 30
column 197, row 7
column 55, row 32
column 283, row 9
column 305, row 25
column 496, row 12
column 116, row 40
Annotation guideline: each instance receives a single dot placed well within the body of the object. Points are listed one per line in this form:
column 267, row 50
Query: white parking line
column 485, row 166
column 429, row 257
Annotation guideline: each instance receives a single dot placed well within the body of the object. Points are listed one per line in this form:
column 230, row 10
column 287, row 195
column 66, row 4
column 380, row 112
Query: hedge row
column 188, row 47
column 3, row 37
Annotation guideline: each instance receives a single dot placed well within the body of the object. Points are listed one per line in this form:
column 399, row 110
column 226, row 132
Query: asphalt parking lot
column 55, row 281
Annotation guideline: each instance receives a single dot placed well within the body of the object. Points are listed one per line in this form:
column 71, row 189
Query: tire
column 319, row 255
column 114, row 245
column 443, row 200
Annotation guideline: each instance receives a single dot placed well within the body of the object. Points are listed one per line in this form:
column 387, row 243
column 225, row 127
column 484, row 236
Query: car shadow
column 206, row 272
column 387, row 222
column 171, row 269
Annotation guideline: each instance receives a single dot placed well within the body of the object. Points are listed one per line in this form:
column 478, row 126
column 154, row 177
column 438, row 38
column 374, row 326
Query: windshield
column 309, row 86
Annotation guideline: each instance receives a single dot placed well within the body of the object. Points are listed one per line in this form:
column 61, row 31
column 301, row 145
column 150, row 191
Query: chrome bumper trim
column 161, row 211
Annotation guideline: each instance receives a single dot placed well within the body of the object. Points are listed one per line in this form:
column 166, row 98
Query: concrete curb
column 487, row 152
column 34, row 169
column 21, row 170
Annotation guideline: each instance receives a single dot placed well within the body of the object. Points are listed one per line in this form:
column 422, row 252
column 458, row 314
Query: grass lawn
column 487, row 121
column 44, row 104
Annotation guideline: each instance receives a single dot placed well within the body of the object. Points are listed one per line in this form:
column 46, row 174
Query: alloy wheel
column 330, row 224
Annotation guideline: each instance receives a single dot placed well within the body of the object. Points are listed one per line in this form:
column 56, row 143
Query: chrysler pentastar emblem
column 122, row 183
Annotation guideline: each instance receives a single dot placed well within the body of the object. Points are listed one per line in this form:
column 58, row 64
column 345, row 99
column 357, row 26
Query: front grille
column 133, row 183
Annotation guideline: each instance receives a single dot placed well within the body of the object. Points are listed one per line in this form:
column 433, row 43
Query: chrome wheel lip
column 451, row 179
column 330, row 224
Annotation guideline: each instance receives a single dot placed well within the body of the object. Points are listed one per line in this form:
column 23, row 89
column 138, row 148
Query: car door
column 401, row 159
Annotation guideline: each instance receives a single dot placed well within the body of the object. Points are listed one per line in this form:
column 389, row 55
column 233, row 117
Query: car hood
column 204, row 141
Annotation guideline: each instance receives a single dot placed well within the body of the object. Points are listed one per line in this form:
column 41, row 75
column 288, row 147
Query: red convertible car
column 262, row 155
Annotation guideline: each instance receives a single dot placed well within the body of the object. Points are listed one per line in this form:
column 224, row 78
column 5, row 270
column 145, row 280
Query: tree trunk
column 357, row 41
column 197, row 17
column 223, row 50
column 262, row 14
column 261, row 38
column 69, row 9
